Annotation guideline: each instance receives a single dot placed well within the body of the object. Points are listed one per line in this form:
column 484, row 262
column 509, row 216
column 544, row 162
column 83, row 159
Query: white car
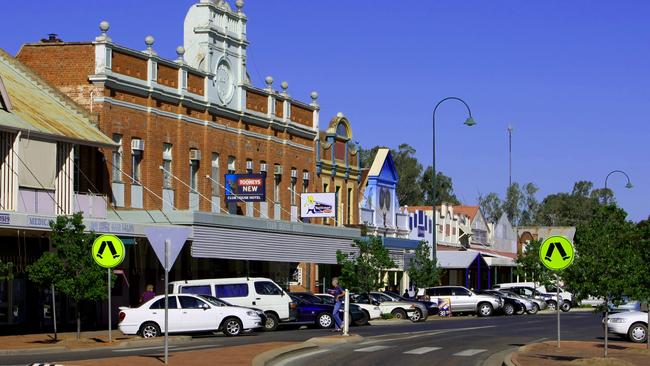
column 630, row 324
column 188, row 313
column 372, row 311
column 398, row 309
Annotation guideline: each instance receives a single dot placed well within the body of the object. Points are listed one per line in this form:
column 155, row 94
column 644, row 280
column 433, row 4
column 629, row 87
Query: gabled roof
column 470, row 211
column 41, row 110
column 383, row 166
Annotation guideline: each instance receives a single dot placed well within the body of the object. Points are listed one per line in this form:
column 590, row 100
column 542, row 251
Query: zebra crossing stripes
column 421, row 350
column 371, row 349
column 45, row 364
column 469, row 352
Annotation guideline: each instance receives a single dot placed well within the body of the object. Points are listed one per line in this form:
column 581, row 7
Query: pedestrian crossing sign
column 108, row 251
column 556, row 253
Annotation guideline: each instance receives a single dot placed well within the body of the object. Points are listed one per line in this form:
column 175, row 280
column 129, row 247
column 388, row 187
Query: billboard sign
column 318, row 205
column 245, row 187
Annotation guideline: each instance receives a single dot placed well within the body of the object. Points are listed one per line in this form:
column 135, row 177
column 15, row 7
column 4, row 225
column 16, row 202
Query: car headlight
column 617, row 320
column 251, row 313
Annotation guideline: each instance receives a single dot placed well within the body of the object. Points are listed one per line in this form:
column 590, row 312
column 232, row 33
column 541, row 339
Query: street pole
column 468, row 122
column 54, row 311
column 557, row 307
column 110, row 335
column 167, row 246
column 346, row 314
column 509, row 156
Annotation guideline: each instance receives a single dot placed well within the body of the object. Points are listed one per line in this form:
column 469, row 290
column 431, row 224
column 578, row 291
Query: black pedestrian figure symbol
column 103, row 245
column 560, row 249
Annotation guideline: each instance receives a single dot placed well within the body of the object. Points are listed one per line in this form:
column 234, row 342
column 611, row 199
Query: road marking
column 411, row 335
column 469, row 352
column 194, row 347
column 288, row 361
column 421, row 350
column 371, row 349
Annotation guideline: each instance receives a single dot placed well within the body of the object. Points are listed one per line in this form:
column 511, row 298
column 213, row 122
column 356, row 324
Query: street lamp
column 468, row 122
column 628, row 185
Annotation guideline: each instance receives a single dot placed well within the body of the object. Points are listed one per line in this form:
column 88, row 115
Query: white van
column 257, row 292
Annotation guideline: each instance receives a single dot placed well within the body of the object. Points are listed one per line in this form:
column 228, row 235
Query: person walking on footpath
column 338, row 294
column 148, row 294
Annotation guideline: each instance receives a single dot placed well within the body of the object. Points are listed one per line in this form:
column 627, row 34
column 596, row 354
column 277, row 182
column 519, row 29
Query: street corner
column 335, row 339
column 579, row 353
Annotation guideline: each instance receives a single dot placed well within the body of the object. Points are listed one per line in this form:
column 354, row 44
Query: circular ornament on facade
column 224, row 82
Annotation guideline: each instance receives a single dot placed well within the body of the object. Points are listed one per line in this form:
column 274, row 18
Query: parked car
column 398, row 309
column 187, row 314
column 432, row 307
column 372, row 311
column 539, row 303
column 630, row 324
column 547, row 294
column 550, row 299
column 421, row 312
column 627, row 305
column 309, row 305
column 511, row 304
column 256, row 292
column 532, row 306
column 464, row 300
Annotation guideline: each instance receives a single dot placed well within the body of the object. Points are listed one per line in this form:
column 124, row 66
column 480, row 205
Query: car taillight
column 122, row 316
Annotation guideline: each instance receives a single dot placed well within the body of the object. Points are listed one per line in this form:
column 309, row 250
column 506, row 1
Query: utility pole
column 509, row 156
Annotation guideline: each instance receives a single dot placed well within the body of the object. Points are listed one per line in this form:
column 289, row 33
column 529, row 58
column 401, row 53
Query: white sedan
column 372, row 311
column 188, row 313
column 630, row 324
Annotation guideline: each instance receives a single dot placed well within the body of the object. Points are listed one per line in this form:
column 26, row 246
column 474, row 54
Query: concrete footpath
column 580, row 353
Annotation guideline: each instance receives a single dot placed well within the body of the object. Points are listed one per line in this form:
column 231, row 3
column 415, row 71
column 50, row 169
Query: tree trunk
column 606, row 327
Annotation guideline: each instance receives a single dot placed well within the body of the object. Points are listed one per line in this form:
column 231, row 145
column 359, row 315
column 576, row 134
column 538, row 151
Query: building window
column 341, row 130
column 194, row 175
column 249, row 166
column 215, row 175
column 276, row 185
column 232, row 162
column 135, row 166
column 349, row 206
column 338, row 206
column 305, row 182
column 117, row 158
column 326, row 187
column 263, row 167
column 293, row 191
column 76, row 169
column 167, row 166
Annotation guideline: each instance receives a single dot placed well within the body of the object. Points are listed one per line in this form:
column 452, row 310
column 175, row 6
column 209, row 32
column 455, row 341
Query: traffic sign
column 176, row 237
column 556, row 253
column 108, row 251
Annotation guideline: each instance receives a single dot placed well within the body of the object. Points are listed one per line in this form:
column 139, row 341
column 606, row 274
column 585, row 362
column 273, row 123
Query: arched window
column 341, row 130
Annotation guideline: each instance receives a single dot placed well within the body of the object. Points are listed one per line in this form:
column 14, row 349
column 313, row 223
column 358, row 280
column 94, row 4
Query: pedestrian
column 338, row 294
column 406, row 294
column 148, row 294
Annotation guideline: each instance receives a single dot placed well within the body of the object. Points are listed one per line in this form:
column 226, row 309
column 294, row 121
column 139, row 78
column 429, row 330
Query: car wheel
column 534, row 310
column 232, row 327
column 551, row 305
column 566, row 306
column 364, row 320
column 416, row 316
column 399, row 314
column 485, row 309
column 638, row 333
column 520, row 309
column 149, row 330
column 272, row 322
column 508, row 309
column 324, row 320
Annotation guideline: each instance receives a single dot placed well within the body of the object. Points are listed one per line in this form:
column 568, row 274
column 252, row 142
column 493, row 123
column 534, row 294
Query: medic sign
column 245, row 187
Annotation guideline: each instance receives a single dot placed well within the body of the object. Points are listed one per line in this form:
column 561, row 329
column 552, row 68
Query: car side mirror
column 205, row 306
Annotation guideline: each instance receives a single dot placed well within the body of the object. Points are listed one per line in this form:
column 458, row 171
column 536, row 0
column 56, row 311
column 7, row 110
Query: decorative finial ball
column 239, row 4
column 180, row 51
column 104, row 26
column 284, row 85
column 339, row 114
column 269, row 80
column 148, row 40
column 314, row 95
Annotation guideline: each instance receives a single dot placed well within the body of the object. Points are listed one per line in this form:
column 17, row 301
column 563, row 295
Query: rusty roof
column 40, row 109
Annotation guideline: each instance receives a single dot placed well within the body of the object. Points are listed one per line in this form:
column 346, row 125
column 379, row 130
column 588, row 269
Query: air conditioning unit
column 195, row 154
column 305, row 176
column 277, row 170
column 249, row 164
column 137, row 145
column 263, row 167
column 294, row 173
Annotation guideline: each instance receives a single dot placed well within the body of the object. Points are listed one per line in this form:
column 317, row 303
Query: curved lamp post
column 468, row 122
column 628, row 185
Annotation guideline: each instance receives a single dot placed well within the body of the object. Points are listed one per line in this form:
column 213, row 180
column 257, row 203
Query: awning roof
column 455, row 260
column 399, row 243
column 38, row 108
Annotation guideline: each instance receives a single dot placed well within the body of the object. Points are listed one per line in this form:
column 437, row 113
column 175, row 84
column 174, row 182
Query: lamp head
column 470, row 121
column 628, row 185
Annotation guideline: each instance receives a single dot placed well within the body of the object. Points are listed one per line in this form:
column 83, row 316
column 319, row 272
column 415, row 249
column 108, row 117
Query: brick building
column 180, row 125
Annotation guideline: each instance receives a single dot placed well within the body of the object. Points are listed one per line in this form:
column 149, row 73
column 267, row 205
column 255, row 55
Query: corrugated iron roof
column 42, row 110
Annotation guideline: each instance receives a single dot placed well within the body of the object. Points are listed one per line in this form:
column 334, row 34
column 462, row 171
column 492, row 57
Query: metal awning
column 456, row 260
column 399, row 243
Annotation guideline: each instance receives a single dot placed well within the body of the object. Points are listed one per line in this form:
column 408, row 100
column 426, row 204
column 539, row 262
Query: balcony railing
column 92, row 205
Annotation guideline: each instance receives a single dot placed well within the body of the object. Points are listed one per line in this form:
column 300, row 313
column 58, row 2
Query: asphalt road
column 435, row 342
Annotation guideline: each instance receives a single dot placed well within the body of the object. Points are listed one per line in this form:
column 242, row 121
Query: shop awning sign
column 245, row 187
column 176, row 236
column 318, row 205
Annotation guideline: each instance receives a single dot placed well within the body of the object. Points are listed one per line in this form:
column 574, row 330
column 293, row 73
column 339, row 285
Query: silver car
column 465, row 300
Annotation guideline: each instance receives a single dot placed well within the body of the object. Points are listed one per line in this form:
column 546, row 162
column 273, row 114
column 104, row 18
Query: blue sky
column 572, row 77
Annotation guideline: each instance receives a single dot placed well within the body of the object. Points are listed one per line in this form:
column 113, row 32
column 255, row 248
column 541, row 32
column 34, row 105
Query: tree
column 444, row 188
column 530, row 267
column 70, row 267
column 361, row 272
column 520, row 205
column 367, row 156
column 409, row 170
column 569, row 209
column 423, row 270
column 491, row 206
column 605, row 256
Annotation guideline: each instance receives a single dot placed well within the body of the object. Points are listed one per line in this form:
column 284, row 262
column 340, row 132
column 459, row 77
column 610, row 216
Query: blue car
column 309, row 313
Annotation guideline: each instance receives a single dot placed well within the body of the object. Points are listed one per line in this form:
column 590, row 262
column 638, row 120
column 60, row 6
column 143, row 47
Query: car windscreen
column 214, row 301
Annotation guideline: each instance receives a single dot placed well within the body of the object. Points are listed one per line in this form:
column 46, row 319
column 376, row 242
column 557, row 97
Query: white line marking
column 371, row 349
column 289, row 360
column 469, row 352
column 421, row 350
column 410, row 335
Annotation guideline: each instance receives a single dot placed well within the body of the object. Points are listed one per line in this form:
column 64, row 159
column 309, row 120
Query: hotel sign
column 245, row 187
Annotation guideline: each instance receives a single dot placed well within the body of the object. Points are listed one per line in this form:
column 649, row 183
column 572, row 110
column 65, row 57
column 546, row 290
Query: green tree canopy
column 444, row 188
column 423, row 270
column 530, row 267
column 520, row 205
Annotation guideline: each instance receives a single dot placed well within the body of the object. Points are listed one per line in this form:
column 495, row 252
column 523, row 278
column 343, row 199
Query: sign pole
column 557, row 307
column 54, row 310
column 346, row 314
column 167, row 245
column 110, row 330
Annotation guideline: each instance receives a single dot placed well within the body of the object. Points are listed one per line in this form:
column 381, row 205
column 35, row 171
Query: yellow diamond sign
column 556, row 253
column 108, row 251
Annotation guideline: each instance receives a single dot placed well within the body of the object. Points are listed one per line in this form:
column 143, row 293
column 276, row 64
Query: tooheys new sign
column 245, row 188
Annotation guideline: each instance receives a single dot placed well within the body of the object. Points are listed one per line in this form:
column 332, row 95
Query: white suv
column 464, row 300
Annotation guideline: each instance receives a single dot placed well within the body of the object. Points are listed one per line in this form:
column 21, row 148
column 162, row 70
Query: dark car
column 357, row 316
column 510, row 305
